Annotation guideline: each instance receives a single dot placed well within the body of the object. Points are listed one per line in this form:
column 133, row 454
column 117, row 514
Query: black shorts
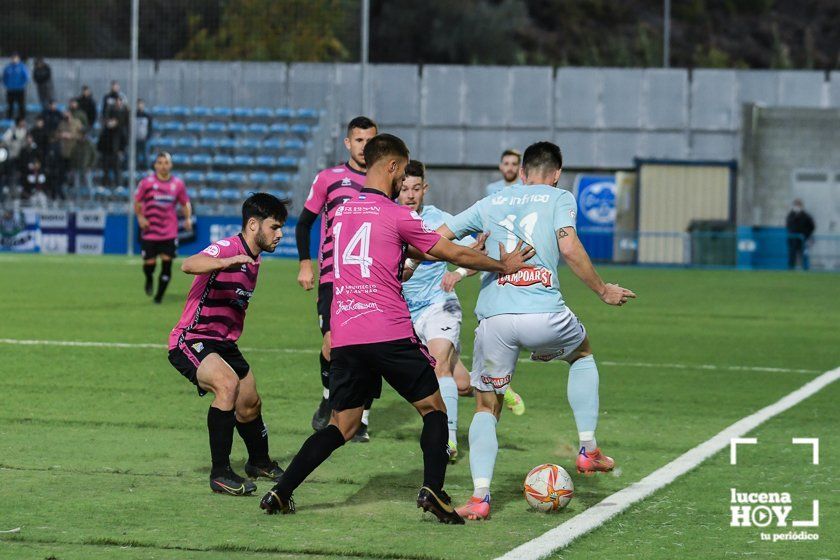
column 151, row 249
column 188, row 356
column 357, row 371
column 325, row 295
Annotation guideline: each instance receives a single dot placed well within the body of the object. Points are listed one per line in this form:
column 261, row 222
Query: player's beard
column 509, row 178
column 265, row 244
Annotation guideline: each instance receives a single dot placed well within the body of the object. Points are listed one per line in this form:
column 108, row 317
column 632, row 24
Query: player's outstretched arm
column 203, row 264
column 466, row 257
column 578, row 261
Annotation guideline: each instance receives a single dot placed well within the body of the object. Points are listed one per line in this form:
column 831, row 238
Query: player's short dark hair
column 415, row 168
column 163, row 154
column 363, row 123
column 383, row 145
column 511, row 152
column 542, row 157
column 262, row 206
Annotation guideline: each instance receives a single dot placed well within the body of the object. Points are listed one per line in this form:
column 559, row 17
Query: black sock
column 220, row 425
column 255, row 436
column 369, row 403
column 325, row 371
column 313, row 452
column 433, row 441
column 148, row 270
column 163, row 280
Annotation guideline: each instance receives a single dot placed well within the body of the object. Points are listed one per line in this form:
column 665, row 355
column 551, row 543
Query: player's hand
column 515, row 260
column 306, row 278
column 449, row 281
column 614, row 294
column 142, row 222
column 236, row 260
column 479, row 242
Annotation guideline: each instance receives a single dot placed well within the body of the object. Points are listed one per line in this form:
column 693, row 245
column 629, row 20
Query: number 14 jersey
column 533, row 214
column 370, row 236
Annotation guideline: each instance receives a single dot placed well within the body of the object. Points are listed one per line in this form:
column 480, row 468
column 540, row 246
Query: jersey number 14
column 357, row 251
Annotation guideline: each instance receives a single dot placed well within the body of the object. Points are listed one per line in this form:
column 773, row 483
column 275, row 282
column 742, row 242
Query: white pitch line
column 96, row 344
column 612, row 505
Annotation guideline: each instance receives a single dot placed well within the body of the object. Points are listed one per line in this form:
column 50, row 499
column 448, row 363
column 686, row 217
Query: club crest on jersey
column 198, row 347
column 346, row 182
column 527, row 277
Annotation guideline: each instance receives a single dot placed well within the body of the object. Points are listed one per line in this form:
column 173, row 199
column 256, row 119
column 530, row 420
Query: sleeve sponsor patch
column 212, row 250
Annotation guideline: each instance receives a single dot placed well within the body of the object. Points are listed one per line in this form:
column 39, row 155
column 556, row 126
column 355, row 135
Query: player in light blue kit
column 527, row 310
column 509, row 167
column 435, row 310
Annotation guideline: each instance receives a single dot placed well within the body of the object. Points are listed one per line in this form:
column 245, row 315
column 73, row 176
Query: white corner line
column 595, row 516
column 733, row 447
column 815, row 445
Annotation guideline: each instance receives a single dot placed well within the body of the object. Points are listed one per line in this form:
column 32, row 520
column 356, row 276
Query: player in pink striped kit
column 332, row 187
column 155, row 202
column 202, row 346
column 373, row 337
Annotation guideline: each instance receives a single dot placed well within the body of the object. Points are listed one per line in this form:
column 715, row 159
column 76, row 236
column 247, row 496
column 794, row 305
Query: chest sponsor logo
column 527, row 277
column 360, row 210
column 524, row 199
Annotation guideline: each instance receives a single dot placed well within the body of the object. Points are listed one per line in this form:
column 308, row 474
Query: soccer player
column 509, row 166
column 332, row 187
column 202, row 346
column 435, row 309
column 372, row 335
column 527, row 310
column 155, row 202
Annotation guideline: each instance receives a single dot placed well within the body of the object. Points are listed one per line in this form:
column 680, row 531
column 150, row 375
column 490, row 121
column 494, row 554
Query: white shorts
column 440, row 320
column 498, row 340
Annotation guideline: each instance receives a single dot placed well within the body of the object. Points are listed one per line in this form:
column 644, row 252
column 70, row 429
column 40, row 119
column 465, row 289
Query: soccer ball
column 548, row 488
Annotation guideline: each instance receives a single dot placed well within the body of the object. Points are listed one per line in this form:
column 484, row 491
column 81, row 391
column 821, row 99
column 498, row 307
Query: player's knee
column 227, row 388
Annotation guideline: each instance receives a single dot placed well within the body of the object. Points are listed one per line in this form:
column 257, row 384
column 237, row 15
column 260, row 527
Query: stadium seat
column 295, row 145
column 221, row 112
column 279, row 128
column 282, row 195
column 161, row 111
column 6, row 123
column 243, row 112
column 258, row 129
column 301, row 129
column 201, row 112
column 163, row 143
column 194, row 177
column 244, row 161
column 222, row 160
column 265, row 113
column 209, row 194
column 209, row 143
column 192, row 193
column 216, row 127
column 283, row 113
column 236, row 178
column 195, row 126
column 237, row 128
column 179, row 111
column 171, row 126
column 215, row 177
column 248, row 144
column 287, row 161
column 307, row 114
column 272, row 145
column 227, row 143
column 181, row 159
column 281, row 178
column 186, row 143
column 259, row 178
column 121, row 193
column 230, row 195
column 204, row 160
column 34, row 108
column 266, row 161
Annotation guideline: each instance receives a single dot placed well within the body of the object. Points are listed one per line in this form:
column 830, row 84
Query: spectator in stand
column 78, row 113
column 36, row 184
column 70, row 132
column 40, row 139
column 42, row 74
column 112, row 96
column 52, row 116
column 112, row 142
column 144, row 132
column 15, row 78
column 88, row 105
column 14, row 140
column 800, row 227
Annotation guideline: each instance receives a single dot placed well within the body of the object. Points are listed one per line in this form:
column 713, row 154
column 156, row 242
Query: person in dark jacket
column 144, row 132
column 112, row 96
column 88, row 105
column 800, row 227
column 15, row 78
column 42, row 74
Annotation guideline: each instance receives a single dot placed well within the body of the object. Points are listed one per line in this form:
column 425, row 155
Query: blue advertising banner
column 596, row 214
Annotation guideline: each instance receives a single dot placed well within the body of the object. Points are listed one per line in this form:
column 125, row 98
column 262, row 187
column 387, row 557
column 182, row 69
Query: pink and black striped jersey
column 217, row 301
column 158, row 199
column 331, row 188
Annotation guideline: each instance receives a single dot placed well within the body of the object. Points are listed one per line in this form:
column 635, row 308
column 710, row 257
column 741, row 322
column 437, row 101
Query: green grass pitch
column 103, row 450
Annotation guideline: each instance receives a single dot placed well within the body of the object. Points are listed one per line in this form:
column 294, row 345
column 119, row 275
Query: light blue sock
column 449, row 392
column 582, row 392
column 483, row 450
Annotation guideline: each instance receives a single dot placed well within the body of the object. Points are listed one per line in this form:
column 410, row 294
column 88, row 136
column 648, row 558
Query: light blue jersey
column 533, row 214
column 423, row 289
column 494, row 188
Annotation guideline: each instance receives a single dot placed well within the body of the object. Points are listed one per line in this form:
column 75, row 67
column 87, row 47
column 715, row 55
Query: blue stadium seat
column 279, row 128
column 201, row 111
column 221, row 112
column 308, row 114
column 237, row 128
column 221, row 160
column 163, row 142
column 281, row 178
column 266, row 161
column 302, row 129
column 34, row 108
column 181, row 159
column 161, row 111
column 186, row 143
column 236, row 178
column 195, row 126
column 171, row 126
column 287, row 161
column 6, row 124
column 295, row 145
column 248, row 144
column 121, row 192
column 179, row 111
column 258, row 129
column 264, row 113
column 209, row 143
column 209, row 194
column 230, row 195
column 192, row 193
column 259, row 178
column 194, row 177
column 244, row 161
column 272, row 145
column 283, row 113
column 216, row 127
column 227, row 143
column 215, row 177
column 282, row 195
column 205, row 160
column 243, row 112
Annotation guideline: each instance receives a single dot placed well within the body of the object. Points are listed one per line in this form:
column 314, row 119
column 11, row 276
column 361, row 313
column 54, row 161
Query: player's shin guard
column 255, row 436
column 433, row 442
column 325, row 372
column 220, row 424
column 582, row 392
column 315, row 450
column 483, row 450
column 449, row 392
column 163, row 280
